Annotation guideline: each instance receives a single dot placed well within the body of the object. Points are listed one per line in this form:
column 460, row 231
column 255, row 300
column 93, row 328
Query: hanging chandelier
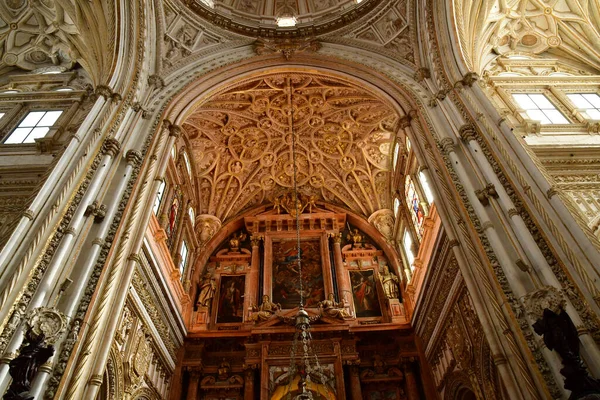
column 303, row 358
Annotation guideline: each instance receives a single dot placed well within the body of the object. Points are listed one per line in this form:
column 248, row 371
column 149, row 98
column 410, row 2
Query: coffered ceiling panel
column 243, row 142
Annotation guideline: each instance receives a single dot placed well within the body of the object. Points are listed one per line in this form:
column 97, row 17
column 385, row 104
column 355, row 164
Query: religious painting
column 287, row 285
column 231, row 299
column 364, row 294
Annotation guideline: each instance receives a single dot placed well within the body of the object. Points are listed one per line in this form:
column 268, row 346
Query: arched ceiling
column 241, row 143
column 258, row 18
column 48, row 33
column 568, row 30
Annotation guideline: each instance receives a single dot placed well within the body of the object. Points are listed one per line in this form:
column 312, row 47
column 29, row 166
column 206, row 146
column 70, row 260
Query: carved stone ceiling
column 47, row 33
column 259, row 17
column 241, row 143
column 563, row 29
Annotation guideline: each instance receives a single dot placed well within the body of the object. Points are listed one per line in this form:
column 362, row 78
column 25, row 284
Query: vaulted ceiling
column 242, row 148
column 563, row 29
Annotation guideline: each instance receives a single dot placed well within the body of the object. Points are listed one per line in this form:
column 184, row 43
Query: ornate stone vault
column 241, row 143
column 45, row 33
column 259, row 18
column 564, row 29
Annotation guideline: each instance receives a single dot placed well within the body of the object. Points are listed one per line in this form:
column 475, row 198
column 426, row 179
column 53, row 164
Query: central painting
column 287, row 287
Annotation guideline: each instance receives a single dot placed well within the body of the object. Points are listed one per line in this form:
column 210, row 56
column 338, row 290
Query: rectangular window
column 35, row 125
column 407, row 244
column 539, row 108
column 184, row 256
column 587, row 103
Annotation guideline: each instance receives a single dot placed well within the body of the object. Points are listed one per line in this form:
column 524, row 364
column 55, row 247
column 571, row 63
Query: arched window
column 188, row 166
column 407, row 244
column 159, row 197
column 414, row 206
column 426, row 188
column 184, row 257
column 396, row 207
column 174, row 152
column 171, row 226
column 192, row 215
column 395, row 156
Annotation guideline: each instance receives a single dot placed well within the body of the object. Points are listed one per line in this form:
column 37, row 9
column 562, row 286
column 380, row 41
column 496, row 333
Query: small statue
column 265, row 310
column 24, row 367
column 333, row 309
column 389, row 282
column 236, row 240
column 356, row 238
column 224, row 370
column 207, row 291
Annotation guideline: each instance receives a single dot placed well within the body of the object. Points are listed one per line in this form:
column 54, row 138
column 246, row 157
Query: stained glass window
column 414, row 205
column 426, row 188
column 172, row 224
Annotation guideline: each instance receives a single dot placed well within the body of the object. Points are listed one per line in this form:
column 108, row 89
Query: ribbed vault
column 565, row 29
column 241, row 143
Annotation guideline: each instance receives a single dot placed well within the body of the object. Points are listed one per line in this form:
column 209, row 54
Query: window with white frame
column 407, row 244
column 159, row 197
column 188, row 166
column 184, row 257
column 191, row 214
column 539, row 108
column 426, row 188
column 35, row 125
column 587, row 103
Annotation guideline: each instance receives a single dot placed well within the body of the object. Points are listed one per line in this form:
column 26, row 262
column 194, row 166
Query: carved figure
column 265, row 311
column 389, row 282
column 356, row 238
column 207, row 291
column 25, row 366
column 333, row 309
column 224, row 369
column 235, row 240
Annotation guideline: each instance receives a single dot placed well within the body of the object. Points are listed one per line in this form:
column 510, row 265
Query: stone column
column 412, row 389
column 163, row 217
column 355, row 388
column 250, row 297
column 343, row 278
column 249, row 384
column 192, row 389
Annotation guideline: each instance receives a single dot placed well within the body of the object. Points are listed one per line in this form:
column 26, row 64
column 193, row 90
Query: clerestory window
column 539, row 108
column 35, row 125
column 588, row 104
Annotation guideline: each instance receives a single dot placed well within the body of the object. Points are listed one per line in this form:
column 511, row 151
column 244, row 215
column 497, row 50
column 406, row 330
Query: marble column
column 250, row 297
column 343, row 278
column 412, row 390
column 249, row 384
column 355, row 388
column 192, row 390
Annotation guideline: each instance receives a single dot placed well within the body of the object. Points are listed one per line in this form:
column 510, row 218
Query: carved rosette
column 384, row 221
column 546, row 297
column 49, row 321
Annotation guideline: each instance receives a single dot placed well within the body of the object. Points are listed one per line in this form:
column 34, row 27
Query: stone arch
column 112, row 382
column 458, row 387
column 145, row 393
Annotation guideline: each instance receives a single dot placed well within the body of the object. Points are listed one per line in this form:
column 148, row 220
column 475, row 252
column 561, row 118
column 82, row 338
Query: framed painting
column 287, row 286
column 364, row 294
column 231, row 299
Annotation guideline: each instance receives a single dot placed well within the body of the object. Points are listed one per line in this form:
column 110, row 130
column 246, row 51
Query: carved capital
column 405, row 121
column 547, row 297
column 156, row 81
column 134, row 158
column 467, row 132
column 111, row 146
column 447, row 145
column 421, row 74
column 256, row 239
column 175, row 131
